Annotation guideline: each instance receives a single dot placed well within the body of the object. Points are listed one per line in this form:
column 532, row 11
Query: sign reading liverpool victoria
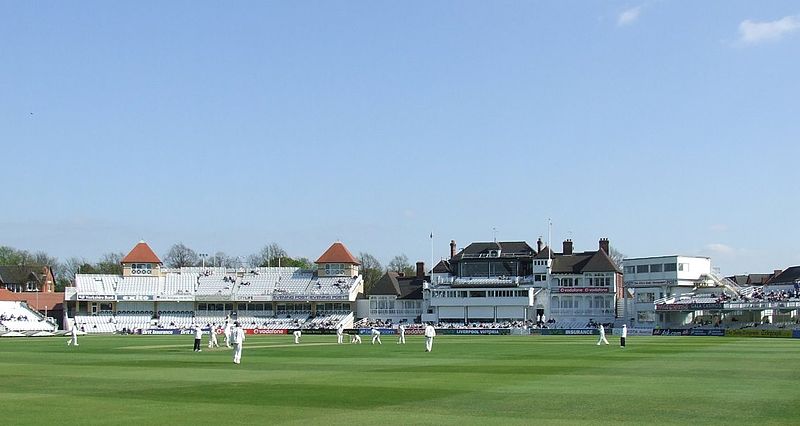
column 309, row 297
column 583, row 289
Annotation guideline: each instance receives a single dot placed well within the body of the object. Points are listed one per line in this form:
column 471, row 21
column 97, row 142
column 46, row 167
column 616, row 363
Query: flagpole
column 432, row 265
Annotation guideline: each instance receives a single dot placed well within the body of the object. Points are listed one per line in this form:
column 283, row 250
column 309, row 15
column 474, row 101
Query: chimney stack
column 539, row 245
column 452, row 248
column 604, row 245
column 420, row 270
column 567, row 246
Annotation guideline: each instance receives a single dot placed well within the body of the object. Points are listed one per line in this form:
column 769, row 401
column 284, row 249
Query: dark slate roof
column 751, row 279
column 443, row 267
column 387, row 285
column 738, row 279
column 588, row 261
column 600, row 262
column 543, row 254
column 516, row 248
column 788, row 276
column 392, row 284
column 571, row 264
column 21, row 274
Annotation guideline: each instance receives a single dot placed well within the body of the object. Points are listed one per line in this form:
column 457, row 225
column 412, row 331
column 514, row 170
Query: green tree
column 179, row 256
column 109, row 263
column 12, row 256
column 401, row 265
column 371, row 270
column 271, row 254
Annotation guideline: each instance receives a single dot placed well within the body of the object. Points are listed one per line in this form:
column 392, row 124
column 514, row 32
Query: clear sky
column 668, row 127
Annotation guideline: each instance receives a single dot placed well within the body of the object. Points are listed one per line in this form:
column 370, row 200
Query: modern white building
column 652, row 279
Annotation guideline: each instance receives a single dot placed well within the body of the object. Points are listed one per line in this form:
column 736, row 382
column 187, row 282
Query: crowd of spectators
column 759, row 295
column 12, row 317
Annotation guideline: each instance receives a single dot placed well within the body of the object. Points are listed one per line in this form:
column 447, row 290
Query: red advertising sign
column 583, row 290
column 264, row 331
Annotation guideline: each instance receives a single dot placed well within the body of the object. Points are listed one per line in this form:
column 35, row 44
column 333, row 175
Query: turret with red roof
column 141, row 261
column 337, row 261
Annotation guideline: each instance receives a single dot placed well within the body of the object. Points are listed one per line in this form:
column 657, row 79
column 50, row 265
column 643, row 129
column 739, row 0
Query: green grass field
column 466, row 380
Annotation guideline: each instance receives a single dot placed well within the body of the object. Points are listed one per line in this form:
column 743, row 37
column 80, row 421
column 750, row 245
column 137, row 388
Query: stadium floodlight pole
column 203, row 256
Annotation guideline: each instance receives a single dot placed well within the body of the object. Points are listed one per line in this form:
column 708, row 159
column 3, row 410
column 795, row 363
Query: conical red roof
column 141, row 253
column 338, row 253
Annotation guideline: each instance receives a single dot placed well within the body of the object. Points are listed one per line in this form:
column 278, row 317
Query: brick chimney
column 452, row 248
column 539, row 245
column 420, row 270
column 567, row 246
column 603, row 245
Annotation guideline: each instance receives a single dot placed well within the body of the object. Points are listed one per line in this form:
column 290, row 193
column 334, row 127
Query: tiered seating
column 332, row 285
column 176, row 319
column 96, row 284
column 256, row 285
column 138, row 286
column 100, row 323
column 292, row 280
column 132, row 320
column 183, row 283
column 216, row 285
column 210, row 318
column 325, row 321
column 16, row 316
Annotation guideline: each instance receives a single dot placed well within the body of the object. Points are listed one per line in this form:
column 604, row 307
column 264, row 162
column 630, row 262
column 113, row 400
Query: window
column 642, row 269
column 646, row 316
column 684, row 267
column 670, row 267
column 474, row 269
column 141, row 268
column 655, row 267
column 630, row 269
column 334, row 269
column 645, row 297
column 506, row 268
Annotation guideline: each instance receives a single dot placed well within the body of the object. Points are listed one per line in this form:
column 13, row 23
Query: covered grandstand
column 149, row 296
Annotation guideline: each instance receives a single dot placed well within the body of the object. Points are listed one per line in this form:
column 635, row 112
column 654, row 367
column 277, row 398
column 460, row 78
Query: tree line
column 180, row 255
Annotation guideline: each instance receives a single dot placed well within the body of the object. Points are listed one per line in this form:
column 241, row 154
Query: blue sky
column 668, row 127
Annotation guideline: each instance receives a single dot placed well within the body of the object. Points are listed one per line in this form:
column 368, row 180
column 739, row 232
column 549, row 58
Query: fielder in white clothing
column 237, row 338
column 430, row 333
column 376, row 336
column 355, row 338
column 227, row 332
column 401, row 334
column 73, row 340
column 212, row 338
column 339, row 334
column 297, row 334
column 602, row 336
